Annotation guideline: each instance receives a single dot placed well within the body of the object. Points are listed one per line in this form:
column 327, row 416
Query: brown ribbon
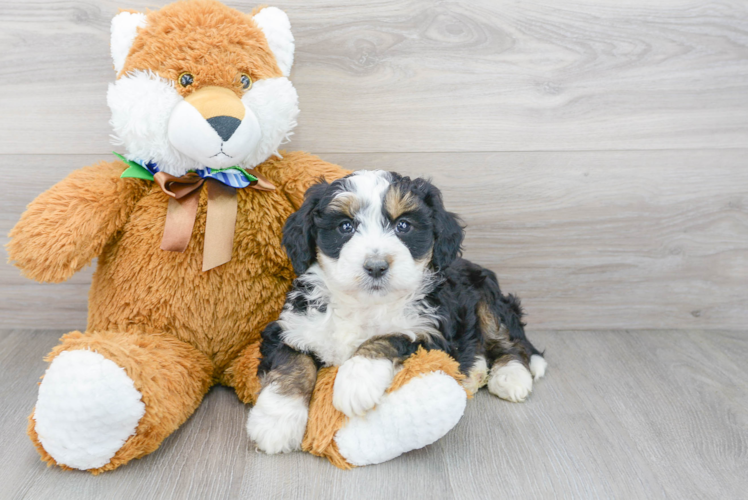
column 220, row 222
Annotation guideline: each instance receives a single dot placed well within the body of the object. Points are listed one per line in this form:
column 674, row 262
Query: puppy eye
column 402, row 227
column 186, row 79
column 246, row 81
column 345, row 227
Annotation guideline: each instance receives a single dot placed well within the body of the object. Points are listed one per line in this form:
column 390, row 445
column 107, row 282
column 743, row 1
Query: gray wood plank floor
column 645, row 414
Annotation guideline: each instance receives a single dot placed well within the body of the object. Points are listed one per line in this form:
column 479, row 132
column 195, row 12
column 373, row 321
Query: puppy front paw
column 277, row 422
column 360, row 384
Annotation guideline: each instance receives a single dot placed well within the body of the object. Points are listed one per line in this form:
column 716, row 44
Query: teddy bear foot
column 416, row 415
column 87, row 408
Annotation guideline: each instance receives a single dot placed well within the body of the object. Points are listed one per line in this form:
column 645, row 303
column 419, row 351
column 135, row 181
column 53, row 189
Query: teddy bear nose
column 225, row 126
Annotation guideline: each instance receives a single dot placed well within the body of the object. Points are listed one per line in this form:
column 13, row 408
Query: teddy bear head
column 202, row 85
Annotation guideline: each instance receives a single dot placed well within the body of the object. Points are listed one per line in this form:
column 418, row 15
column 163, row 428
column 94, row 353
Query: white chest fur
column 334, row 335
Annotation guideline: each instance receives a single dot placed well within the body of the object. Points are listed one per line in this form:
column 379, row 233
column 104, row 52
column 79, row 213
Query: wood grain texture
column 423, row 76
column 651, row 414
column 587, row 239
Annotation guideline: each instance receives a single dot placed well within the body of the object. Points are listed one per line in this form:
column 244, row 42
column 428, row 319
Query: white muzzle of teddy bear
column 214, row 127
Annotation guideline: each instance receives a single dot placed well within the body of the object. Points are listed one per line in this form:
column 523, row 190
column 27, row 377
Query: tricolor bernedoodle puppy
column 380, row 274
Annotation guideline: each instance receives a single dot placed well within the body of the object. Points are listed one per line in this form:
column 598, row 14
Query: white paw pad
column 360, row 384
column 511, row 381
column 87, row 408
column 277, row 422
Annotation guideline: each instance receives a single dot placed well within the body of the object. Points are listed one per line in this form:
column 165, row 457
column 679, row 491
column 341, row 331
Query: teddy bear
column 186, row 226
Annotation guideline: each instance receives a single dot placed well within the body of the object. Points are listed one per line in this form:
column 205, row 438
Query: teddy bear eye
column 186, row 79
column 246, row 81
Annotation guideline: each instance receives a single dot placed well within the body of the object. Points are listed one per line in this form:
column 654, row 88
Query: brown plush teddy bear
column 187, row 231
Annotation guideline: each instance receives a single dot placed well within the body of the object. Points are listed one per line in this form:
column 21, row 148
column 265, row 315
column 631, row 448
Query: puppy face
column 374, row 234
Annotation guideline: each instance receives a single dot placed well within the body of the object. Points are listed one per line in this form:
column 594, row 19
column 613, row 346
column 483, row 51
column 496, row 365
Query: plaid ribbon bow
column 184, row 195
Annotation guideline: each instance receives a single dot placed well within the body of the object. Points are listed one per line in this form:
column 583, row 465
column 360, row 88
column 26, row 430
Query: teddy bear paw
column 416, row 415
column 87, row 408
column 360, row 384
column 277, row 422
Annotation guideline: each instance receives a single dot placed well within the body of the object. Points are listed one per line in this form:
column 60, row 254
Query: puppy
column 380, row 274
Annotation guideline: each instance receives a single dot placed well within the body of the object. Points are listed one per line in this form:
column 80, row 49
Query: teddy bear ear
column 124, row 29
column 275, row 25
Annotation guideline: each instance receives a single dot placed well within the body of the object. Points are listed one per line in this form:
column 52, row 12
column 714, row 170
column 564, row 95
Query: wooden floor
column 646, row 414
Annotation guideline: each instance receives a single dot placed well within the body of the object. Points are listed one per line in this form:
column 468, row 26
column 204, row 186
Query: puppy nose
column 376, row 268
column 225, row 126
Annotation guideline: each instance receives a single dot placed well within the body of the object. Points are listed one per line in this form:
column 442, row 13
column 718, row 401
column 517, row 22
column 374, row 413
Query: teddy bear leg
column 418, row 414
column 425, row 401
column 110, row 397
column 241, row 374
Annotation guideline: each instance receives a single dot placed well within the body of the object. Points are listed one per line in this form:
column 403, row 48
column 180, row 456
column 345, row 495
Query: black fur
column 436, row 229
column 448, row 231
column 274, row 353
column 272, row 347
column 300, row 232
column 463, row 287
column 330, row 239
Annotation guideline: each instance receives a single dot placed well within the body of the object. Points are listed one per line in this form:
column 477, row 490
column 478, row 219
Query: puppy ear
column 300, row 233
column 448, row 230
column 124, row 30
column 275, row 25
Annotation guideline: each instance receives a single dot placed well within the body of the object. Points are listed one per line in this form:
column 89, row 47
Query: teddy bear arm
column 425, row 400
column 297, row 171
column 64, row 228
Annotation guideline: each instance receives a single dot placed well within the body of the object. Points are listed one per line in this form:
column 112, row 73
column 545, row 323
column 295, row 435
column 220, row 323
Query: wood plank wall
column 596, row 149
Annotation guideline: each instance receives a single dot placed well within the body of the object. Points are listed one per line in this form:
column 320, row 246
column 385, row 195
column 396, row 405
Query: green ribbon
column 138, row 171
column 135, row 170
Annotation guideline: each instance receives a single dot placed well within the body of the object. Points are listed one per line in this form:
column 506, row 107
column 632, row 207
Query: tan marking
column 214, row 101
column 496, row 336
column 379, row 347
column 345, row 203
column 294, row 378
column 503, row 361
column 489, row 323
column 477, row 377
column 396, row 202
